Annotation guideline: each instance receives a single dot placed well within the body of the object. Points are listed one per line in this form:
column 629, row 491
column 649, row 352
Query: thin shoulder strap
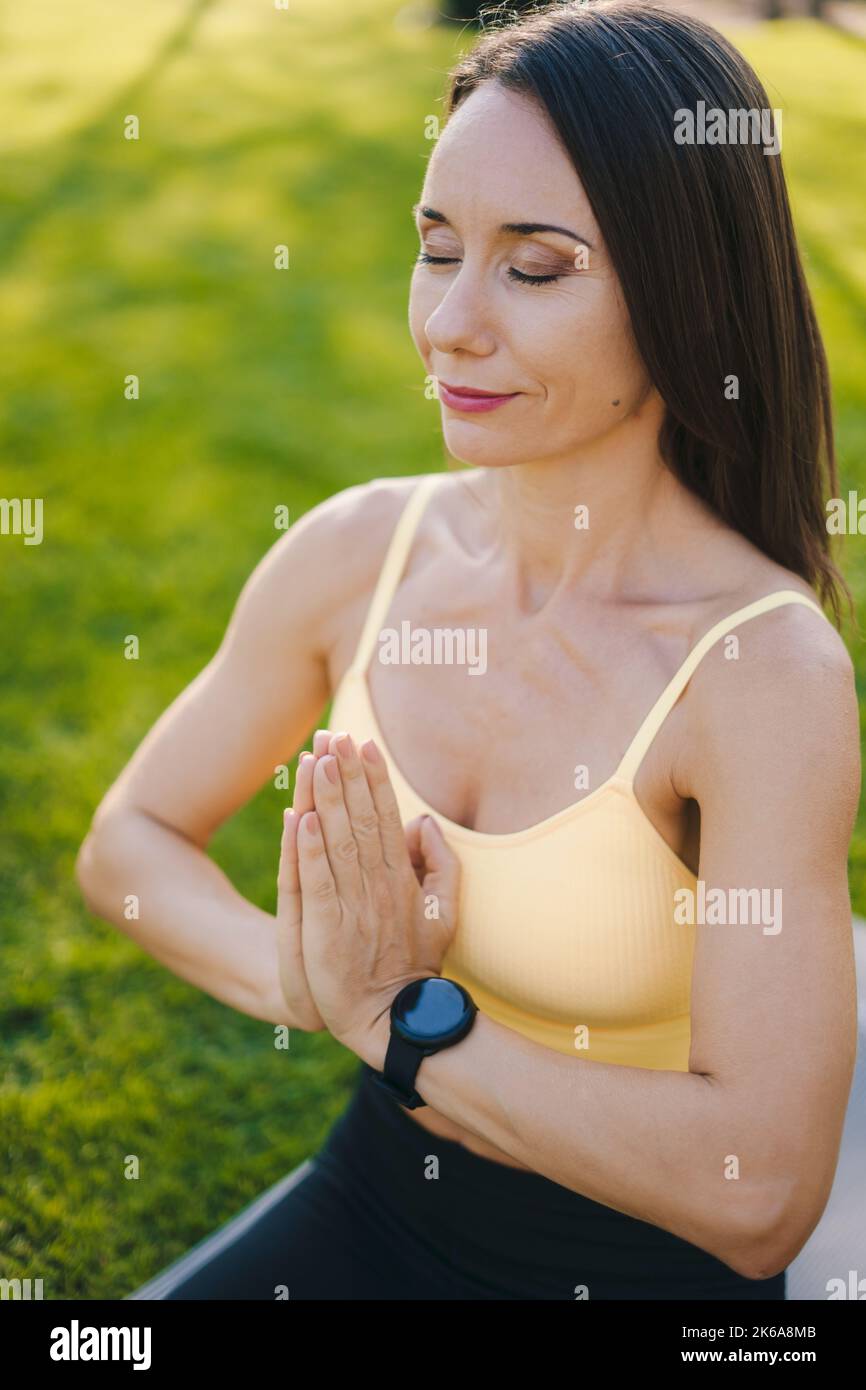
column 672, row 691
column 392, row 568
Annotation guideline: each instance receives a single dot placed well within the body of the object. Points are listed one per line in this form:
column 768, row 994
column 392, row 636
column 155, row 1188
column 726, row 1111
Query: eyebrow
column 514, row 228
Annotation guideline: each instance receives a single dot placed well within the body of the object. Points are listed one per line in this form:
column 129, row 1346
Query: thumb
column 440, row 871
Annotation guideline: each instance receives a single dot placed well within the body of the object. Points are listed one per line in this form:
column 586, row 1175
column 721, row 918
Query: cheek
column 422, row 301
column 590, row 358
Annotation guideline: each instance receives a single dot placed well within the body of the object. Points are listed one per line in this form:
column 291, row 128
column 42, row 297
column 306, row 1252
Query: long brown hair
column 702, row 239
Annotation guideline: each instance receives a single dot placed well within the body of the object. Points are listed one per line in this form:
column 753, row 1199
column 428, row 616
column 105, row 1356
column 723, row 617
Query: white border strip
column 860, row 966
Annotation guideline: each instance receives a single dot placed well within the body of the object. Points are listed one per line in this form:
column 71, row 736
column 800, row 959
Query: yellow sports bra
column 566, row 929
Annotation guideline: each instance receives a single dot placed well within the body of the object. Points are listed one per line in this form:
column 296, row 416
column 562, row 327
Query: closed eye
column 519, row 275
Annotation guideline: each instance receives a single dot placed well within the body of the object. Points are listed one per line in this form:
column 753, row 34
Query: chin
column 481, row 449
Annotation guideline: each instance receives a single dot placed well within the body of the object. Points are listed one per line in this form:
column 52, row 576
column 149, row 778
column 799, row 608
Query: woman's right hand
column 293, row 976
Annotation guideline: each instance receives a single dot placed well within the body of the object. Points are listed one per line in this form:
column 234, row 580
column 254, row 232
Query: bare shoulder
column 323, row 561
column 777, row 706
column 345, row 538
column 785, row 642
column 348, row 534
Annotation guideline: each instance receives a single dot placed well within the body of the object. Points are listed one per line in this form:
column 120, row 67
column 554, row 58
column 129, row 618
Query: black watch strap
column 426, row 1015
column 402, row 1061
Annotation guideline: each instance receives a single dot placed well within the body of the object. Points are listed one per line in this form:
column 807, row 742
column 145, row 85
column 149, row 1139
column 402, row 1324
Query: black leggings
column 387, row 1210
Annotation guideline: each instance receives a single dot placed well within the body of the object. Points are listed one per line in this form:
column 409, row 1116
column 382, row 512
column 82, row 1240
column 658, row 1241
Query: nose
column 462, row 318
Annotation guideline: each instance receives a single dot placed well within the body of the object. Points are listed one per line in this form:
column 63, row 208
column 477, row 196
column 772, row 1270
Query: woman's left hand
column 376, row 903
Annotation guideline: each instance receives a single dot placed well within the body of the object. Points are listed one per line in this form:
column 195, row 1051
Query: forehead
column 499, row 158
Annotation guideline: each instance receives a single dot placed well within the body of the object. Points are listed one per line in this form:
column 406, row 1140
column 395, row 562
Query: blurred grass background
column 258, row 388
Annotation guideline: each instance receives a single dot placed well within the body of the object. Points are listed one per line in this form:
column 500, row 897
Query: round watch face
column 432, row 1010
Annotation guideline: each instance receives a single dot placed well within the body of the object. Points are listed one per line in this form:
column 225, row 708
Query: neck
column 635, row 527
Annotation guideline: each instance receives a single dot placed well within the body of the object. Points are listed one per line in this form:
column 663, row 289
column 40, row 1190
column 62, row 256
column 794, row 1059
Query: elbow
column 93, row 858
column 85, row 869
column 780, row 1245
column 84, row 862
column 781, row 1222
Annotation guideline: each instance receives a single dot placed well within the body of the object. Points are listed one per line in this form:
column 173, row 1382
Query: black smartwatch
column 426, row 1016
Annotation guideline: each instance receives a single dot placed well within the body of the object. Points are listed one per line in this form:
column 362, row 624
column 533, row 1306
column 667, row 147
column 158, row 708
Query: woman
column 608, row 709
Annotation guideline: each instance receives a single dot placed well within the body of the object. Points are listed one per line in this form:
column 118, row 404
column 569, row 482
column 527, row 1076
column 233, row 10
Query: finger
column 302, row 801
column 413, row 845
column 288, row 882
column 390, row 821
column 337, row 829
column 359, row 802
column 318, row 889
column 441, row 868
column 321, row 742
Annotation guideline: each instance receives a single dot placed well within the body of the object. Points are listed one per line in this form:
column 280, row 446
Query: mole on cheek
column 614, row 402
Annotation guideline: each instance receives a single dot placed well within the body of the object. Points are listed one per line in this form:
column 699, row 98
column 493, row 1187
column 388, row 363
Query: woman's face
column 564, row 347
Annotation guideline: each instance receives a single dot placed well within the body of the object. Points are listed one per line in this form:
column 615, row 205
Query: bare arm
column 247, row 712
column 774, row 766
column 191, row 918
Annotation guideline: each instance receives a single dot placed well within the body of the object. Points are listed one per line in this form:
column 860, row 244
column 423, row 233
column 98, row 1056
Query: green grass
column 258, row 387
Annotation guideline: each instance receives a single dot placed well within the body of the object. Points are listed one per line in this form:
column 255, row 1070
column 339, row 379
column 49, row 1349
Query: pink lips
column 467, row 398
